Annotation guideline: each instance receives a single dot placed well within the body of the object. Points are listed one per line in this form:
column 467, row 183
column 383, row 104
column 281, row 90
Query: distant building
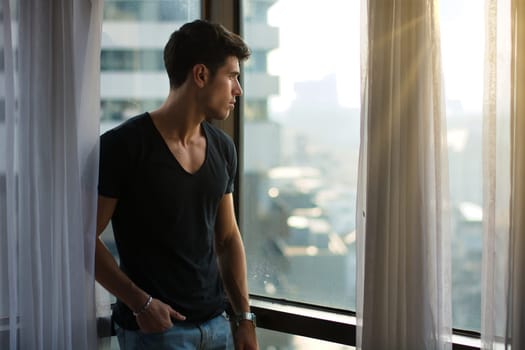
column 133, row 79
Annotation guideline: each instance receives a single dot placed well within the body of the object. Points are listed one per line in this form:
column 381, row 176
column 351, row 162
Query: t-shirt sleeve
column 113, row 164
column 232, row 166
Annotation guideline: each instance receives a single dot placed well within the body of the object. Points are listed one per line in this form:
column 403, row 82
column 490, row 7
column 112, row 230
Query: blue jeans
column 214, row 334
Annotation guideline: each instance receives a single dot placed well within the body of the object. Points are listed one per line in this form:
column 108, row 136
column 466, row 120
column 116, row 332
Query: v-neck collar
column 167, row 149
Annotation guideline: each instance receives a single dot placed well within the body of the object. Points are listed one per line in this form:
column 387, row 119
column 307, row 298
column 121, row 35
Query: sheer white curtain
column 403, row 233
column 503, row 294
column 48, row 173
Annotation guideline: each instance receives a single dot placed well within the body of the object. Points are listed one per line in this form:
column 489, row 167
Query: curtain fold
column 50, row 171
column 516, row 306
column 8, row 185
column 403, row 232
column 496, row 172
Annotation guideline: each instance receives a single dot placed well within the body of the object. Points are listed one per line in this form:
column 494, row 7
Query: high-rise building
column 133, row 78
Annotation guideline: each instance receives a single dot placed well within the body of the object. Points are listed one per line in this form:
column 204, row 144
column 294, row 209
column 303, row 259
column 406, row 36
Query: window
column 134, row 33
column 462, row 38
column 300, row 150
column 131, row 60
column 116, row 110
column 301, row 144
column 154, row 11
column 255, row 109
column 300, row 137
column 257, row 63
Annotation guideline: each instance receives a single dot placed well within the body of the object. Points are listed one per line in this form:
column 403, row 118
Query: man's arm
column 232, row 264
column 157, row 316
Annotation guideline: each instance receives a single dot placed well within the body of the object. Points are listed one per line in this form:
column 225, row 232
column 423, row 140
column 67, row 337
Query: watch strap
column 249, row 316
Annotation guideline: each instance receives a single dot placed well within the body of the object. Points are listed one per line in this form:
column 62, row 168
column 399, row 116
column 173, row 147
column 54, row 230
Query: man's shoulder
column 128, row 125
column 217, row 133
column 128, row 128
column 221, row 143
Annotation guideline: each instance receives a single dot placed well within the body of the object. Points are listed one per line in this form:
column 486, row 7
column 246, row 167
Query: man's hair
column 200, row 42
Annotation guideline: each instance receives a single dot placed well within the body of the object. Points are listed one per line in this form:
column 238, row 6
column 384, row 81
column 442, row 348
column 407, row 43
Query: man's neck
column 177, row 118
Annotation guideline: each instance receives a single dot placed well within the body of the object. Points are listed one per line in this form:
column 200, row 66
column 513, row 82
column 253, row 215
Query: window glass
column 116, row 110
column 131, row 60
column 300, row 149
column 462, row 41
column 154, row 11
column 134, row 33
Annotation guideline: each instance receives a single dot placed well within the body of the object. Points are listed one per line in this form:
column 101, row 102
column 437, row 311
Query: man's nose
column 237, row 89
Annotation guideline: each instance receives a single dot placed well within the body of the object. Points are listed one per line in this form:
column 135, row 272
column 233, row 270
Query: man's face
column 222, row 90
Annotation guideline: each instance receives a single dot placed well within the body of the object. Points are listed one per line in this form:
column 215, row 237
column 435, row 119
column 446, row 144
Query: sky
column 462, row 46
column 322, row 39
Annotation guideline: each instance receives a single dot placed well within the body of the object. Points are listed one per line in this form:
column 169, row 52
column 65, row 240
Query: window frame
column 281, row 315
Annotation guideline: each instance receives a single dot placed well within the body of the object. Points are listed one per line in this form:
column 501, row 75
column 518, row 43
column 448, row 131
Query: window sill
column 304, row 320
column 327, row 324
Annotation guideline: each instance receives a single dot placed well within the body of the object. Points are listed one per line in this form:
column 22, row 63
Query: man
column 166, row 181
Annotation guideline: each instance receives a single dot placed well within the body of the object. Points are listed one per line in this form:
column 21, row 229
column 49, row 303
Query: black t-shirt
column 165, row 217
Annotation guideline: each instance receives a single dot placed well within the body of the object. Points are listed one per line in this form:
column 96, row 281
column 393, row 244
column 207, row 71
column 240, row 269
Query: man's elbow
column 225, row 243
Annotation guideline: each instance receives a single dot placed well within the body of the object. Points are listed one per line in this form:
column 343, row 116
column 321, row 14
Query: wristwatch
column 250, row 316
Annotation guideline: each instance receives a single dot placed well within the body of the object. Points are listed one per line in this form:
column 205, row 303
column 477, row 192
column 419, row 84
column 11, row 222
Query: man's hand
column 244, row 337
column 157, row 317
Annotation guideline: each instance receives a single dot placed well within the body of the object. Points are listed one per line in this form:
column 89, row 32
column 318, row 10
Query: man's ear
column 200, row 74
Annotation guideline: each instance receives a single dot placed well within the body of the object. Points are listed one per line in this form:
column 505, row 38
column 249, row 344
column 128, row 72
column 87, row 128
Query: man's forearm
column 111, row 277
column 232, row 263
